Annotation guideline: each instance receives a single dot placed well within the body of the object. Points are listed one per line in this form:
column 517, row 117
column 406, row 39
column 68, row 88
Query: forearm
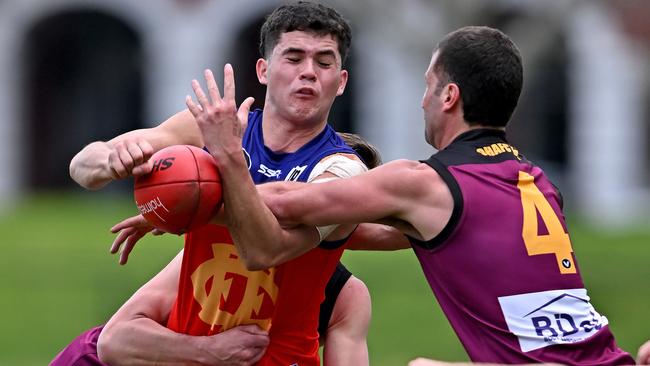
column 125, row 155
column 134, row 334
column 143, row 341
column 255, row 231
column 272, row 193
column 89, row 168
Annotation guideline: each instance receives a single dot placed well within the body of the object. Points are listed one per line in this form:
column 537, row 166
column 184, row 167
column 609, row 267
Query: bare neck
column 450, row 134
column 281, row 135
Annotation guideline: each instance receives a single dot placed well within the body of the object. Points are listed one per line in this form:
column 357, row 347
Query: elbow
column 84, row 182
column 256, row 266
column 257, row 263
column 73, row 169
column 281, row 209
column 258, row 260
column 105, row 351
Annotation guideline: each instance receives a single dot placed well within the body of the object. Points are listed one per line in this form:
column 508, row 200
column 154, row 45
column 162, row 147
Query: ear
column 342, row 82
column 450, row 97
column 261, row 67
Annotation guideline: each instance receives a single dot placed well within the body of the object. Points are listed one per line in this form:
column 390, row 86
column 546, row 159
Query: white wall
column 393, row 40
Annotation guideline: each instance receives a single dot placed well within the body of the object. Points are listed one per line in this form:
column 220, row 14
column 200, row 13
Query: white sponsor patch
column 269, row 172
column 541, row 319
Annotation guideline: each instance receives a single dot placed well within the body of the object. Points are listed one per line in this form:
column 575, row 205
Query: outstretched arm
column 135, row 335
column 128, row 154
column 407, row 195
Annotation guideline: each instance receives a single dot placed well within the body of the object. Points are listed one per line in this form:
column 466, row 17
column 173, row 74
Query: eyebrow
column 326, row 52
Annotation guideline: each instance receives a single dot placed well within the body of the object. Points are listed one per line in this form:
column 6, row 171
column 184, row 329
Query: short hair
column 366, row 151
column 308, row 17
column 486, row 66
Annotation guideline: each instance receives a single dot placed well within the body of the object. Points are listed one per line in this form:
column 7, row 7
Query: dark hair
column 366, row 151
column 486, row 66
column 309, row 17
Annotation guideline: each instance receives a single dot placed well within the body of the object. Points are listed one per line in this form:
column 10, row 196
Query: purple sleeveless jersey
column 503, row 268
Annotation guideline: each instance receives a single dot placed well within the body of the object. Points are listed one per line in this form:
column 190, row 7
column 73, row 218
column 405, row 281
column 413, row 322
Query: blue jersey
column 268, row 166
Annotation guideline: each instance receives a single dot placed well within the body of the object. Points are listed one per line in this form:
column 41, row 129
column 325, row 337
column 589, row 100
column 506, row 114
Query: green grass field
column 58, row 279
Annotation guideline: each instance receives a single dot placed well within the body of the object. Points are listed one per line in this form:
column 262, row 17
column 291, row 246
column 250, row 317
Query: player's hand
column 643, row 357
column 130, row 231
column 130, row 157
column 239, row 346
column 221, row 123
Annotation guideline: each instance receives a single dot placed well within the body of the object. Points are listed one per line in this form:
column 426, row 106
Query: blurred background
column 76, row 71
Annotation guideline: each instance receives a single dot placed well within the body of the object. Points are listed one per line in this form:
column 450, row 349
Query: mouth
column 306, row 92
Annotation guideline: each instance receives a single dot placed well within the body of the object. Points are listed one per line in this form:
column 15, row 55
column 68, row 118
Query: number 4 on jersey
column 556, row 241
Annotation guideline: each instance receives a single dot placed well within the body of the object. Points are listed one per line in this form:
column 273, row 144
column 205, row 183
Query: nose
column 308, row 71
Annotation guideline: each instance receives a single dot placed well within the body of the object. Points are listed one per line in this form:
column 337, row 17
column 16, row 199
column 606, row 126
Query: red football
column 183, row 190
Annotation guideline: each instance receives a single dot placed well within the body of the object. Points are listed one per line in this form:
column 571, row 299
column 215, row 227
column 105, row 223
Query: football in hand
column 183, row 190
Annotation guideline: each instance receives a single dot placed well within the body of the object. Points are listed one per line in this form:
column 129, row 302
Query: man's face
column 431, row 103
column 303, row 76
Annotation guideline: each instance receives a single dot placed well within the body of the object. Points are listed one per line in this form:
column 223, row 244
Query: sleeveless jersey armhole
column 334, row 286
column 335, row 244
column 457, row 196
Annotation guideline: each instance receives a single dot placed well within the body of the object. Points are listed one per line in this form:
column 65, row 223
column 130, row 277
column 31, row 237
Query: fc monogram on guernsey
column 229, row 294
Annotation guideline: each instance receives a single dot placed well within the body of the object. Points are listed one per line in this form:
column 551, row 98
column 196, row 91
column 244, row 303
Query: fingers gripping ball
column 183, row 190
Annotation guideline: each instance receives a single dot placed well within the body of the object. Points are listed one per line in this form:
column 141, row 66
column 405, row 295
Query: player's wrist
column 231, row 159
column 204, row 350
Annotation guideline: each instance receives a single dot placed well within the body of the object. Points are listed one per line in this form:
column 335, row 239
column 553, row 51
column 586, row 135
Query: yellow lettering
column 498, row 148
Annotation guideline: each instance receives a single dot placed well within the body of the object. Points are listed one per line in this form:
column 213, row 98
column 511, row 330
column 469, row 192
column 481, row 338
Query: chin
column 305, row 113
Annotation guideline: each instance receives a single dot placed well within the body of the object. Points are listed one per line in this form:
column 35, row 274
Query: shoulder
column 341, row 165
column 340, row 155
column 353, row 300
column 410, row 172
column 422, row 195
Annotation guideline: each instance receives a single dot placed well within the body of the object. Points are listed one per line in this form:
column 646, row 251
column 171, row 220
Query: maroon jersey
column 503, row 268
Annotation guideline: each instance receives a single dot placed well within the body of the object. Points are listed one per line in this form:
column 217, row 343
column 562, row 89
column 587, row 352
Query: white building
column 73, row 71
